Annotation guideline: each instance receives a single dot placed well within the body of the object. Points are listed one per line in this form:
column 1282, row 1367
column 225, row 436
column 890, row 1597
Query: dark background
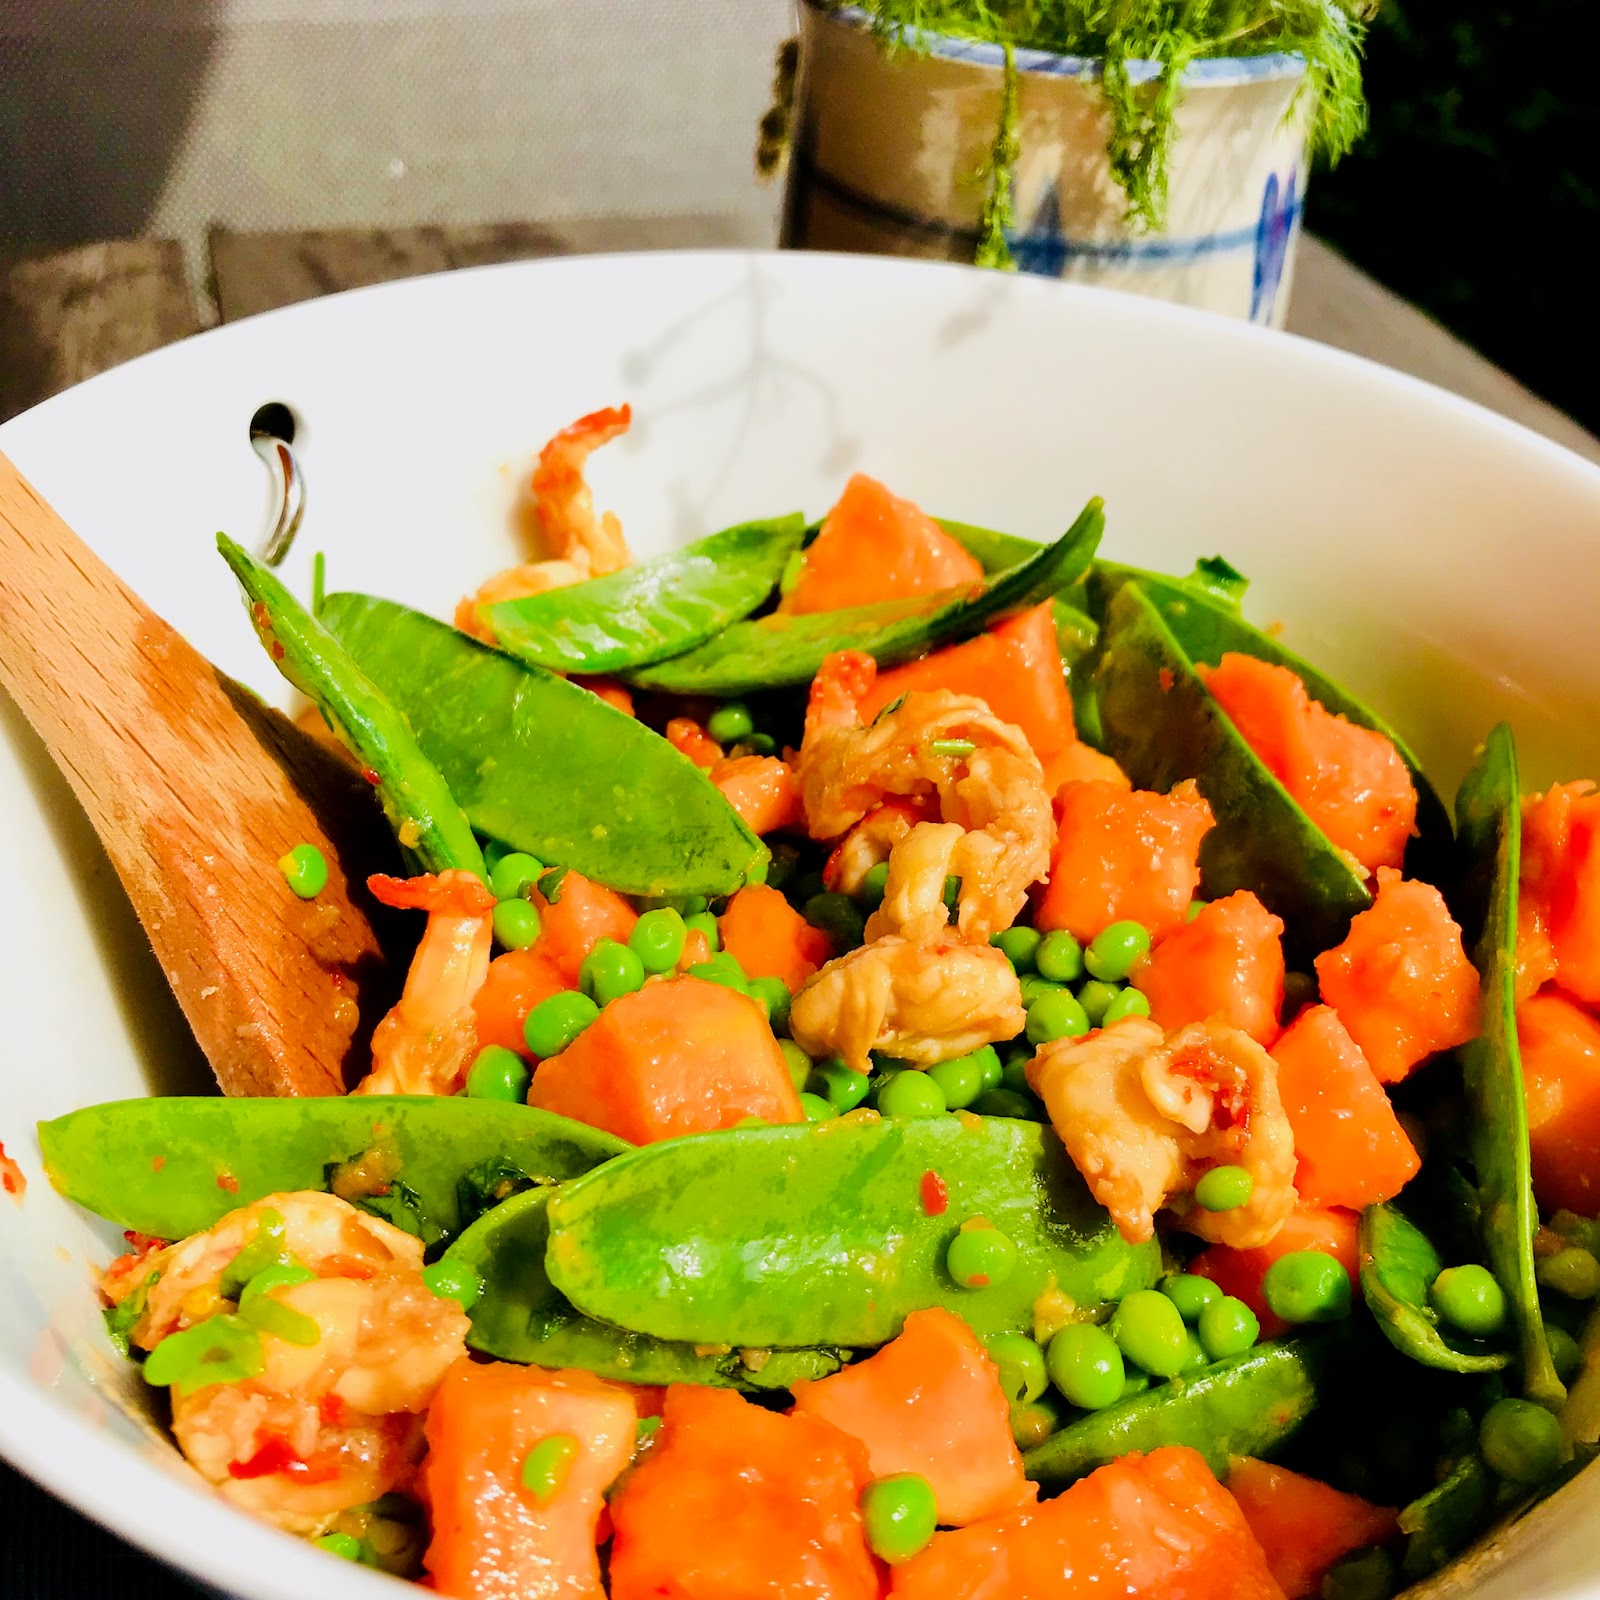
column 1476, row 192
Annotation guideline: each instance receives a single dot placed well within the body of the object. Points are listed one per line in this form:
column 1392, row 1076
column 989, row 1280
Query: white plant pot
column 890, row 151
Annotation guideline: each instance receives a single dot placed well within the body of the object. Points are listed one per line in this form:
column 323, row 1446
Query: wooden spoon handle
column 196, row 790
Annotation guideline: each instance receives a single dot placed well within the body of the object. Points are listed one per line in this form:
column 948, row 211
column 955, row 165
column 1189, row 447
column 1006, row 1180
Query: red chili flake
column 227, row 1183
column 275, row 1456
column 1164, row 677
column 262, row 615
column 935, row 1195
column 12, row 1178
column 337, row 979
column 978, row 1280
column 276, row 651
column 331, row 1408
column 143, row 1243
column 371, row 776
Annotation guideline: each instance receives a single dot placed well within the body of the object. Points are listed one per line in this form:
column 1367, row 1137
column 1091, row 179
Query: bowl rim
column 1209, row 72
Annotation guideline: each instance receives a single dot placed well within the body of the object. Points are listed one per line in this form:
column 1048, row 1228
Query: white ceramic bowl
column 1440, row 559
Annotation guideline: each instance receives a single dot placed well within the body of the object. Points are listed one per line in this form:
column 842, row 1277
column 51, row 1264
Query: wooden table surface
column 68, row 315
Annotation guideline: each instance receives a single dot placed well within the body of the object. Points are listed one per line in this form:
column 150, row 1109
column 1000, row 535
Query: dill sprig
column 1170, row 33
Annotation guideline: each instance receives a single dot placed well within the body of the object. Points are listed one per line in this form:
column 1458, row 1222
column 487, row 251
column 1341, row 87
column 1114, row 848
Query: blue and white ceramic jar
column 889, row 153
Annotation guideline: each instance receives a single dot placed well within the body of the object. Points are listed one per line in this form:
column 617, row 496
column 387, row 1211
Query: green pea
column 1573, row 1272
column 703, row 922
column 1056, row 1016
column 344, row 1545
column 731, row 722
column 1020, row 946
column 1307, row 1286
column 1128, row 1003
column 493, row 852
column 554, row 1023
column 1034, row 988
column 1006, row 1103
column 280, row 1275
column 1135, row 1383
column 1195, row 908
column 961, row 1078
column 838, row 916
column 911, row 1094
column 1224, row 1189
column 1470, row 1299
column 547, row 1465
column 874, row 883
column 305, row 870
column 690, row 905
column 453, row 1280
column 1033, row 1421
column 980, row 1257
column 952, row 893
column 1097, row 998
column 1023, row 1375
column 498, row 1074
column 513, row 875
column 724, row 969
column 900, row 1516
column 773, row 994
column 1194, row 1355
column 1227, row 1327
column 1520, row 1440
column 1190, row 1293
column 1059, row 957
column 798, row 1062
column 657, row 939
column 1370, row 1574
column 222, row 1349
column 1150, row 1333
column 839, row 1085
column 1086, row 1366
column 516, row 923
column 1014, row 1074
column 1115, row 951
column 817, row 1109
column 1566, row 1354
column 990, row 1071
column 267, row 1315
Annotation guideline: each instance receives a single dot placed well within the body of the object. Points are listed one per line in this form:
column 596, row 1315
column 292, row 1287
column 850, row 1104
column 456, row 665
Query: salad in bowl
column 934, row 1065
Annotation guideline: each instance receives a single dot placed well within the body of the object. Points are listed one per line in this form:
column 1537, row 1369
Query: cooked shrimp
column 985, row 777
column 871, row 842
column 578, row 544
column 1143, row 1116
column 427, row 1042
column 326, row 1424
column 919, row 1002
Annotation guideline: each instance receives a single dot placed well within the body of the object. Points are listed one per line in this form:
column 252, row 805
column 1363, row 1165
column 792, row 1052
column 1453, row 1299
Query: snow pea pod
column 1489, row 827
column 780, row 651
column 1203, row 614
column 1398, row 1263
column 1243, row 1405
column 816, row 1234
column 1448, row 1517
column 543, row 765
column 171, row 1167
column 653, row 609
column 521, row 1316
column 415, row 797
column 1162, row 725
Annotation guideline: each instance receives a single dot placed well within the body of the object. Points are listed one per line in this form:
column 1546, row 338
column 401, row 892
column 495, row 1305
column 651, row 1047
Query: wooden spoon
column 197, row 789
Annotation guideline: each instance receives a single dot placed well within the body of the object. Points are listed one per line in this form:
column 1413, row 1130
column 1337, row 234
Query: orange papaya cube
column 492, row 1538
column 874, row 546
column 733, row 1502
column 1239, row 1272
column 678, row 1056
column 1401, row 981
column 1123, row 855
column 1561, row 876
column 1349, row 1144
column 1015, row 669
column 930, row 1402
column 1082, row 763
column 582, row 914
column 1561, row 1082
column 515, row 984
column 1226, row 963
column 770, row 939
column 1303, row 1525
column 1348, row 779
column 1155, row 1527
column 762, row 790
